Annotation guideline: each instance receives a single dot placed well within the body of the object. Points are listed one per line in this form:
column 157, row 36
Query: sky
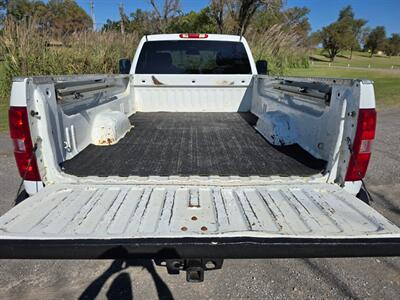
column 323, row 12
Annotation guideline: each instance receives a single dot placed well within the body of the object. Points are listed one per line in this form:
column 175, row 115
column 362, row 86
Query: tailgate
column 125, row 221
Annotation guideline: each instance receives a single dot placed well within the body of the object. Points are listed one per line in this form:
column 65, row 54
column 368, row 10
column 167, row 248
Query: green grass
column 359, row 60
column 386, row 83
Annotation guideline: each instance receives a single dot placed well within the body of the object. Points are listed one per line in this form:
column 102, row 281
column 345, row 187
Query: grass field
column 386, row 83
column 359, row 60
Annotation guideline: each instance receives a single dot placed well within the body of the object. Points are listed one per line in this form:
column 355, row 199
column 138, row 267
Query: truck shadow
column 331, row 278
column 21, row 197
column 387, row 203
column 121, row 287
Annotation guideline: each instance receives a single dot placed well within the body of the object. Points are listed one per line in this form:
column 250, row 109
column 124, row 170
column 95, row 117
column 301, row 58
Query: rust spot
column 204, row 228
column 156, row 81
column 194, row 218
column 224, row 82
column 183, row 228
column 107, row 141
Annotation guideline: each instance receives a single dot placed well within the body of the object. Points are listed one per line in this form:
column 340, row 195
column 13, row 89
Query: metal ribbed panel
column 110, row 211
column 187, row 99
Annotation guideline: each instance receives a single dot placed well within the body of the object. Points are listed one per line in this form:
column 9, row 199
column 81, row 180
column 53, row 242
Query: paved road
column 372, row 278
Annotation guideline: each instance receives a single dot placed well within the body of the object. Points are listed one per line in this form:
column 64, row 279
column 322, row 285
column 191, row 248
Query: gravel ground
column 348, row 278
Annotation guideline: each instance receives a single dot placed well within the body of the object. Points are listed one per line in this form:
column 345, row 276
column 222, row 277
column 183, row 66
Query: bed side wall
column 66, row 127
column 318, row 126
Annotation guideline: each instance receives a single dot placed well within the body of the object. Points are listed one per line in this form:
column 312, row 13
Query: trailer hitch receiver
column 194, row 267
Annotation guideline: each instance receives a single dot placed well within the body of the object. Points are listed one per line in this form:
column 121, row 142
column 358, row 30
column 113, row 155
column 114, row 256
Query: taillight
column 365, row 135
column 193, row 35
column 23, row 147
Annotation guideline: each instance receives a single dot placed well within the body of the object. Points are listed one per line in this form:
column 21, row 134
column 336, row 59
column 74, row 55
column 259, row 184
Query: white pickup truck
column 192, row 155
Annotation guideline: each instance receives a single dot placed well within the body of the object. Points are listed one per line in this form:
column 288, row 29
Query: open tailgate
column 126, row 221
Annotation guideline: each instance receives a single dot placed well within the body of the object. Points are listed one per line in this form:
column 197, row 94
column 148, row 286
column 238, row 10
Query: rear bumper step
column 199, row 248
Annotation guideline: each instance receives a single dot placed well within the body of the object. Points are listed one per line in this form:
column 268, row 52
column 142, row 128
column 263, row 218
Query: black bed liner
column 165, row 144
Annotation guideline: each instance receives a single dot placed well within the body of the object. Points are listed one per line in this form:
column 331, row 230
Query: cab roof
column 177, row 36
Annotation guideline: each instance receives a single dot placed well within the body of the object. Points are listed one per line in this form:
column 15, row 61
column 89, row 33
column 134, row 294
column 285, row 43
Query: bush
column 28, row 50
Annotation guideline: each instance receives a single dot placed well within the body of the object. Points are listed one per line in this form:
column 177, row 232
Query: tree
column 238, row 12
column 123, row 18
column 335, row 38
column 165, row 13
column 296, row 19
column 140, row 22
column 314, row 39
column 346, row 12
column 3, row 8
column 201, row 22
column 111, row 25
column 356, row 26
column 66, row 16
column 392, row 45
column 3, row 4
column 243, row 11
column 59, row 16
column 20, row 9
column 376, row 40
column 365, row 31
column 218, row 12
column 346, row 33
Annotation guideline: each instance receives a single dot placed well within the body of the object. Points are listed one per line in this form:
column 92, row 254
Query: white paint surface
column 109, row 127
column 120, row 211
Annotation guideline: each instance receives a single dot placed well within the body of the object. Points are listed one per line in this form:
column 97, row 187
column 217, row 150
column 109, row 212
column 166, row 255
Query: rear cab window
column 193, row 57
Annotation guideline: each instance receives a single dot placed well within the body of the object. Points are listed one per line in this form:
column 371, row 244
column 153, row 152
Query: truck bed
column 167, row 143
